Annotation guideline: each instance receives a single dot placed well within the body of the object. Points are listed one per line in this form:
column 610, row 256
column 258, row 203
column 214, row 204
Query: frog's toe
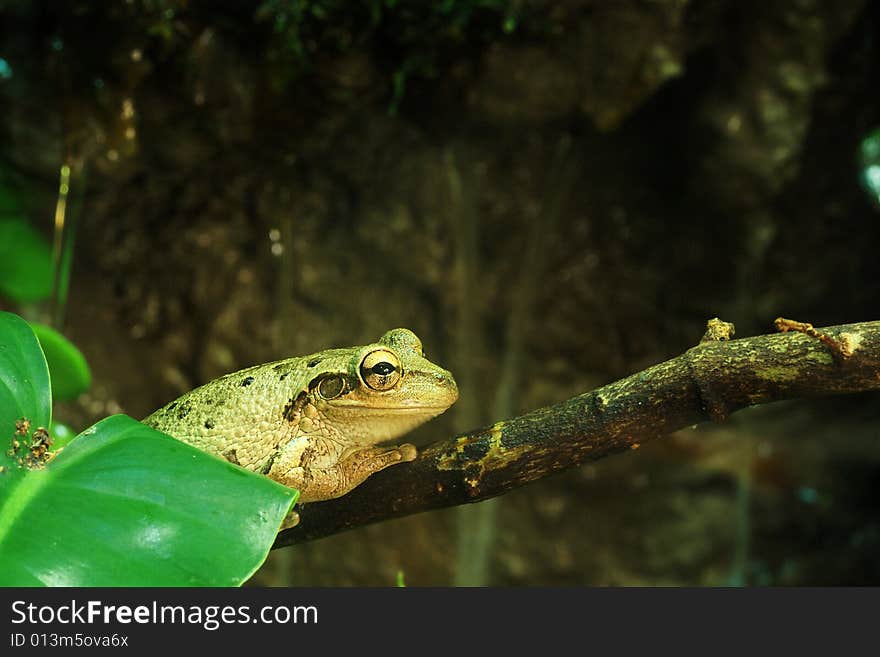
column 290, row 520
column 408, row 452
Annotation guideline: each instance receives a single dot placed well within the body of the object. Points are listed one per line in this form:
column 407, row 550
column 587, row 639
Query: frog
column 315, row 423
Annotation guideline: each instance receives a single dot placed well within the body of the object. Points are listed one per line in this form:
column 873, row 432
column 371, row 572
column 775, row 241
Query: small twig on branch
column 708, row 382
column 839, row 347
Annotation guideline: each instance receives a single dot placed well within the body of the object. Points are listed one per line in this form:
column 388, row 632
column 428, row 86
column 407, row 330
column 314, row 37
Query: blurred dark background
column 552, row 195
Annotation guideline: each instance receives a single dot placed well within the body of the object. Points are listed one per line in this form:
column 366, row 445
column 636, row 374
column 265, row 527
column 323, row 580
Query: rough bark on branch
column 708, row 382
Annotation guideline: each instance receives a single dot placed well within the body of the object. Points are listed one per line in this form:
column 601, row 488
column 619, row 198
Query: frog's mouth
column 402, row 410
column 366, row 424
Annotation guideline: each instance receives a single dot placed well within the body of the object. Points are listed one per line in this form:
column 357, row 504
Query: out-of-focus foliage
column 409, row 38
column 26, row 273
column 870, row 165
column 68, row 368
column 25, row 258
column 25, row 262
column 414, row 37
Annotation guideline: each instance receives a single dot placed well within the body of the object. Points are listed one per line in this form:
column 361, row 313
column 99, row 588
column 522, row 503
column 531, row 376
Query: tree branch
column 708, row 382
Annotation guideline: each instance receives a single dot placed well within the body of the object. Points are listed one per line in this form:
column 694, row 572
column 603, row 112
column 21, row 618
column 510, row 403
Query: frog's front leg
column 347, row 473
column 317, row 480
column 290, row 520
column 351, row 470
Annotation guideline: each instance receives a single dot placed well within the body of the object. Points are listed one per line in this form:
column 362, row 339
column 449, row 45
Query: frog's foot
column 362, row 463
column 352, row 470
column 290, row 520
column 372, row 459
column 408, row 452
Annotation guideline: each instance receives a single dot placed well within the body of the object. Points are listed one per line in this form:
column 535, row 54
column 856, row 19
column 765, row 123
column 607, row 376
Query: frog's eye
column 330, row 387
column 381, row 369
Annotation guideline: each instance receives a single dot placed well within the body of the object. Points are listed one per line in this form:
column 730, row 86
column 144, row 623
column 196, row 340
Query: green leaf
column 24, row 381
column 69, row 371
column 25, row 262
column 125, row 505
column 61, row 434
column 9, row 203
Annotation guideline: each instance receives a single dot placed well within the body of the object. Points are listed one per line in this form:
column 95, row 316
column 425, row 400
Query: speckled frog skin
column 312, row 423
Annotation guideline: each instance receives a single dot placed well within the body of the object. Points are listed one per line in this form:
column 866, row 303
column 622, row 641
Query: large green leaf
column 122, row 504
column 24, row 380
column 125, row 505
column 69, row 370
column 25, row 262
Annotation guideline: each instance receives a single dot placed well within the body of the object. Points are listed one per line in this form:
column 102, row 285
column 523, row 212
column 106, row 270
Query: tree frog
column 313, row 423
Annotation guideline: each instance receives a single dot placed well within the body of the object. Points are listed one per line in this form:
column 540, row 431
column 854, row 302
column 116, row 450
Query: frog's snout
column 446, row 381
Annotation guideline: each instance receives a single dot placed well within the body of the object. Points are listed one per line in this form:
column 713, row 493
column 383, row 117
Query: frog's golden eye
column 381, row 369
column 330, row 387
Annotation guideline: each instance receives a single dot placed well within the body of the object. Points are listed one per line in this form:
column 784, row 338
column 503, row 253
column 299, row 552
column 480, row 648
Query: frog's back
column 244, row 408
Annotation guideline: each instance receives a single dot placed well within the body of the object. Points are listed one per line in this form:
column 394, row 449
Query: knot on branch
column 701, row 369
column 718, row 331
